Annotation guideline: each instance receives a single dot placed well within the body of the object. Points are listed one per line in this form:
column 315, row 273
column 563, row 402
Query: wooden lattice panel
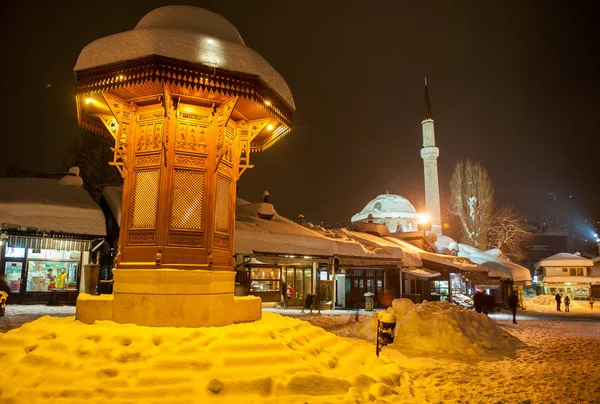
column 145, row 199
column 186, row 206
column 222, row 202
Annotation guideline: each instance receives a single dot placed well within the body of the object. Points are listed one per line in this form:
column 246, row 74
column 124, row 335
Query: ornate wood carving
column 225, row 170
column 110, row 123
column 190, row 161
column 145, row 237
column 186, row 239
column 225, row 110
column 191, row 137
column 221, row 242
column 148, row 160
column 149, row 136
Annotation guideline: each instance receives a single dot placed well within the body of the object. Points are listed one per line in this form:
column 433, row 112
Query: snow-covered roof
column 459, row 263
column 566, row 260
column 387, row 206
column 185, row 33
column 46, row 205
column 572, row 279
column 498, row 267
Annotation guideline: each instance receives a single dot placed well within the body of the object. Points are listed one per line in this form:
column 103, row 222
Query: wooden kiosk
column 186, row 103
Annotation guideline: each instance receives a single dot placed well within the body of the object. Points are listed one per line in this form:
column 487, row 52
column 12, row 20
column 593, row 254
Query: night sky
column 514, row 85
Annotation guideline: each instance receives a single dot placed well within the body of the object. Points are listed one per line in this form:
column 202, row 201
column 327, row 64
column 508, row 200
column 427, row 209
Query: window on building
column 565, row 269
column 50, row 269
column 14, row 252
column 576, row 271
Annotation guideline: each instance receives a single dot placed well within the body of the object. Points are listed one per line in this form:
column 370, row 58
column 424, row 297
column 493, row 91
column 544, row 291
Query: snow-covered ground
column 545, row 358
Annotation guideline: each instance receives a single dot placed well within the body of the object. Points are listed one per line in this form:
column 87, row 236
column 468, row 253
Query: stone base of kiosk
column 170, row 298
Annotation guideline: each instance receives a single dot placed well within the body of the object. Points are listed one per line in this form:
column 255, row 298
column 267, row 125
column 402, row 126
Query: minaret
column 430, row 153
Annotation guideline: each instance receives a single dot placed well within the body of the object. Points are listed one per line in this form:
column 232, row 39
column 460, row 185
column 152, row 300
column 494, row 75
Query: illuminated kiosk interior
column 186, row 102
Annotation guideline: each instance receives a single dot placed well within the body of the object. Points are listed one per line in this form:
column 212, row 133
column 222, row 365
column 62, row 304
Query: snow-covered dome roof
column 387, row 205
column 190, row 18
column 185, row 33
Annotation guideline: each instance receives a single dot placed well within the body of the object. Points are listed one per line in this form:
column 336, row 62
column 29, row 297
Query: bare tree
column 508, row 232
column 472, row 200
column 91, row 153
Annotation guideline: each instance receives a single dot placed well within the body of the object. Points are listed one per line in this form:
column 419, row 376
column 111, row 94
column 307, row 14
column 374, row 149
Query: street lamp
column 424, row 222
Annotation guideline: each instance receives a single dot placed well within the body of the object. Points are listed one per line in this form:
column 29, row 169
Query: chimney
column 300, row 218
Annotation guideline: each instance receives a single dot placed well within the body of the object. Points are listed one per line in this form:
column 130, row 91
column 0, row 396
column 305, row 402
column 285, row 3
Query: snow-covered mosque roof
column 185, row 33
column 566, row 260
column 387, row 206
column 46, row 205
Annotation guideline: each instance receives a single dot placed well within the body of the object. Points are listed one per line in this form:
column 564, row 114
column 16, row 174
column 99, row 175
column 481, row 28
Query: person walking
column 284, row 294
column 591, row 300
column 478, row 301
column 513, row 301
column 567, row 303
column 558, row 299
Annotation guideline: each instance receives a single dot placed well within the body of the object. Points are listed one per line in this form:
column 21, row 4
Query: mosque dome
column 385, row 209
column 189, row 34
column 190, row 18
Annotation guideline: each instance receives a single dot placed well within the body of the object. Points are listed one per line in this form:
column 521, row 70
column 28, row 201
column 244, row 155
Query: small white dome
column 190, row 18
column 387, row 206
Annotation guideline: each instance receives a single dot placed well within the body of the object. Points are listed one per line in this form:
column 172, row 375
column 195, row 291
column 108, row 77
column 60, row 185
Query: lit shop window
column 52, row 269
column 14, row 252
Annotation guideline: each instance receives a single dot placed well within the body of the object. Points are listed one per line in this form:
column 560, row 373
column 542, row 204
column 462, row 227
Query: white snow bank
column 443, row 328
column 276, row 359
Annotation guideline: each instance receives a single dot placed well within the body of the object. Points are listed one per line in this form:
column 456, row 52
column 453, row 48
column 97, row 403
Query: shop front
column 266, row 280
column 357, row 282
column 42, row 269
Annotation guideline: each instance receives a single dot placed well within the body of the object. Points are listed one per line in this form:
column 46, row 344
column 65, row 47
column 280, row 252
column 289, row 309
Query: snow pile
column 442, row 328
column 276, row 359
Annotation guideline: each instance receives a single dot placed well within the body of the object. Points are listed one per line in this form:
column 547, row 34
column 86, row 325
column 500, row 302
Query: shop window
column 50, row 269
column 13, row 271
column 300, row 282
column 43, row 276
column 265, row 280
column 440, row 288
column 14, row 252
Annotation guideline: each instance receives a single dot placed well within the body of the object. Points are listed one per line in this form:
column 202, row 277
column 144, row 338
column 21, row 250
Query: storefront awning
column 421, row 272
column 481, row 278
column 48, row 243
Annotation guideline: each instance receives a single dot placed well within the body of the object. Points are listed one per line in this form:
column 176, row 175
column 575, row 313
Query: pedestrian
column 591, row 300
column 478, row 301
column 513, row 301
column 558, row 299
column 567, row 303
column 284, row 294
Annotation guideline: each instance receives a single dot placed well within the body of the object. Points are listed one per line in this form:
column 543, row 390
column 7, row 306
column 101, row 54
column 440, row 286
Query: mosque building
column 396, row 212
